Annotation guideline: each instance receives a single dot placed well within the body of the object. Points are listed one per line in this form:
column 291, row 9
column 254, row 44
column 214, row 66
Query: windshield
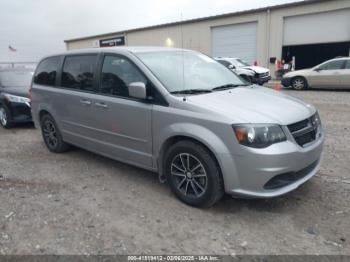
column 238, row 62
column 16, row 78
column 188, row 70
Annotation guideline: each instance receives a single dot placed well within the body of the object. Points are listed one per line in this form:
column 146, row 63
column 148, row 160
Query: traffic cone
column 278, row 87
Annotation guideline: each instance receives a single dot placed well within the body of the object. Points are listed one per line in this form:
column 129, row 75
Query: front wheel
column 5, row 117
column 52, row 135
column 299, row 83
column 193, row 174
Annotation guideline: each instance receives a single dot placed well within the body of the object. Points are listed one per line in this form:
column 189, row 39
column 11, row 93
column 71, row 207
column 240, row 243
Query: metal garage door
column 235, row 41
column 327, row 27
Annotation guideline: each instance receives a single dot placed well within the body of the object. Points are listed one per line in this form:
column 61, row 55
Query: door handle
column 85, row 102
column 102, row 105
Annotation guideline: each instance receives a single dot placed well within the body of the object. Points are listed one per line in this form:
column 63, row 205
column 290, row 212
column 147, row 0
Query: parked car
column 14, row 96
column 252, row 74
column 333, row 73
column 181, row 114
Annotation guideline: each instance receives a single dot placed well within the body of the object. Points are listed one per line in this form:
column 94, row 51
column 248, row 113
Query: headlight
column 17, row 99
column 316, row 123
column 259, row 135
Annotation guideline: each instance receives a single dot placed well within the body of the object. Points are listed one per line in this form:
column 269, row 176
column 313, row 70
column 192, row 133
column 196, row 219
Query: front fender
column 191, row 131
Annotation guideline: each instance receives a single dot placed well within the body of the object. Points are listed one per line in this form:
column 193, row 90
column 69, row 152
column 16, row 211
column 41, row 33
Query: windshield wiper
column 191, row 91
column 228, row 86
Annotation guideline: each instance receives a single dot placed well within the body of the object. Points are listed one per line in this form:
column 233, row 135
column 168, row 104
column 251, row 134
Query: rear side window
column 78, row 72
column 46, row 72
column 333, row 65
column 117, row 74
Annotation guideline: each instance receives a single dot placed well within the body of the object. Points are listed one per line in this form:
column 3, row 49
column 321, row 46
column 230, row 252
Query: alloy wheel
column 298, row 83
column 50, row 134
column 189, row 175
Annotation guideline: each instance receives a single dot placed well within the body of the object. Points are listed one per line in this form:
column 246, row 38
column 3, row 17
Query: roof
column 120, row 49
column 304, row 2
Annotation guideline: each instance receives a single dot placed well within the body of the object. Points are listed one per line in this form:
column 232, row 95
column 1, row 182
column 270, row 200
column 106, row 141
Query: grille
column 304, row 131
column 289, row 178
column 264, row 74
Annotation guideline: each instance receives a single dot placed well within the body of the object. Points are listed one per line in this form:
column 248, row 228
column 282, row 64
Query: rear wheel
column 52, row 135
column 193, row 174
column 5, row 117
column 299, row 83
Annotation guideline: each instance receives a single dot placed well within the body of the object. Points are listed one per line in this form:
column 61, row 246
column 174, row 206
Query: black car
column 14, row 96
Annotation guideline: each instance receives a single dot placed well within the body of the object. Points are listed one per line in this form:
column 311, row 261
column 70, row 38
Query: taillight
column 30, row 94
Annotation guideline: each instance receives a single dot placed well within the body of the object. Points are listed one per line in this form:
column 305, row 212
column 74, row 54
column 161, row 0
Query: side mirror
column 318, row 69
column 137, row 90
column 231, row 67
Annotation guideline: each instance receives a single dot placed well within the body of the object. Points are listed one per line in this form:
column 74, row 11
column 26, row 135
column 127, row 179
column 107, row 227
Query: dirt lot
column 81, row 203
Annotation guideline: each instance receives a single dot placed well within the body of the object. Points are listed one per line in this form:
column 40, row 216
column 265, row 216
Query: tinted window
column 117, row 74
column 347, row 66
column 78, row 72
column 15, row 78
column 333, row 65
column 46, row 72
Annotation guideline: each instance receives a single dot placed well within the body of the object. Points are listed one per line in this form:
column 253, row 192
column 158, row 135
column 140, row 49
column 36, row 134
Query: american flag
column 12, row 49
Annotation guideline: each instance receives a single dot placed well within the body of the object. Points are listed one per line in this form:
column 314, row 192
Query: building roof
column 299, row 3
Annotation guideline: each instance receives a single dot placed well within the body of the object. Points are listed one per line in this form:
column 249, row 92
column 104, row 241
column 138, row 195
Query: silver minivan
column 181, row 114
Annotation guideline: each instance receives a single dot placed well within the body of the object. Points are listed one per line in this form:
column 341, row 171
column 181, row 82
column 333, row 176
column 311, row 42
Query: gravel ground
column 81, row 203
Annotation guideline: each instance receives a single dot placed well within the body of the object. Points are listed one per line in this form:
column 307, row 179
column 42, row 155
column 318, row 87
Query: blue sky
column 38, row 27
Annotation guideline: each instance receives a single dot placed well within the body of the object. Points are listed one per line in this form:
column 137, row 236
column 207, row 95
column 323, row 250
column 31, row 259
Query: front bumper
column 286, row 81
column 20, row 113
column 250, row 173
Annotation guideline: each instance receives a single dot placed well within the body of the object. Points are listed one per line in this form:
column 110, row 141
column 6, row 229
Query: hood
column 257, row 69
column 245, row 71
column 297, row 73
column 16, row 90
column 255, row 104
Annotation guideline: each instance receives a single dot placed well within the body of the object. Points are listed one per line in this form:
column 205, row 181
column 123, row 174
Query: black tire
column 52, row 135
column 299, row 83
column 206, row 180
column 5, row 117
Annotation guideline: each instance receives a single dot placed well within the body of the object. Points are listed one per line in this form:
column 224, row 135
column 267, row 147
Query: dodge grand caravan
column 181, row 114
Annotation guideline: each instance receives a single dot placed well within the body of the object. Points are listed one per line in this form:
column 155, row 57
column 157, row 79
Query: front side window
column 333, row 65
column 117, row 74
column 46, row 72
column 187, row 70
column 78, row 72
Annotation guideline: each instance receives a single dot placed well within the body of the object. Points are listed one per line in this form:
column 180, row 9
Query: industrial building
column 311, row 31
